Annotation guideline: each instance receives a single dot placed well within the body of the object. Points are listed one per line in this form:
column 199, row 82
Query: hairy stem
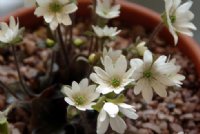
column 22, row 83
column 6, row 88
column 155, row 32
column 50, row 75
column 62, row 45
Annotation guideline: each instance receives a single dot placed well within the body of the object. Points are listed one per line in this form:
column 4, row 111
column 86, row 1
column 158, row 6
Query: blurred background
column 7, row 6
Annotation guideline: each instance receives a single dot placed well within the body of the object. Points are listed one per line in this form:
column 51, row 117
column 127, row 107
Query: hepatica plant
column 108, row 73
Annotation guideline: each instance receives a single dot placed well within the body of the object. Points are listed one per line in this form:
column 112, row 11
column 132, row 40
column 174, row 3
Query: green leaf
column 119, row 99
column 4, row 127
column 99, row 104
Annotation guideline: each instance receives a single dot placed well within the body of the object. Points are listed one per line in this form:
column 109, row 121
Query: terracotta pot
column 130, row 14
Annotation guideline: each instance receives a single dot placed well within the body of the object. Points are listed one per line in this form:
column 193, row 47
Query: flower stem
column 19, row 72
column 91, row 45
column 6, row 88
column 155, row 33
column 62, row 45
column 50, row 74
column 94, row 16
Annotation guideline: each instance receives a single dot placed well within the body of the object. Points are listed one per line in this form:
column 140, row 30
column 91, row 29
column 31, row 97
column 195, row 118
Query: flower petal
column 140, row 85
column 104, row 89
column 111, row 109
column 70, row 8
column 121, row 65
column 128, row 110
column 75, row 86
column 147, row 93
column 84, row 83
column 117, row 124
column 159, row 88
column 69, row 101
column 102, row 122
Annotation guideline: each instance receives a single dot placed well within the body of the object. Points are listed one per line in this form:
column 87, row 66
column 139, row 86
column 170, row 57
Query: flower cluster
column 115, row 74
column 111, row 72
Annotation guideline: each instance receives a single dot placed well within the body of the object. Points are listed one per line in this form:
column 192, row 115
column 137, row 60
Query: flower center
column 173, row 18
column 147, row 74
column 55, row 7
column 115, row 82
column 79, row 100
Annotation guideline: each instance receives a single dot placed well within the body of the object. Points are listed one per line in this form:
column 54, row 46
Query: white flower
column 113, row 54
column 10, row 34
column 109, row 115
column 106, row 31
column 55, row 11
column 114, row 78
column 178, row 18
column 81, row 95
column 105, row 9
column 141, row 48
column 156, row 75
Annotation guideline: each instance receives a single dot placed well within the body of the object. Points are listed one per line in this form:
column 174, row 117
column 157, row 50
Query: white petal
column 40, row 11
column 188, row 25
column 65, row 20
column 102, row 115
column 147, row 93
column 84, row 83
column 89, row 106
column 186, row 32
column 4, row 26
column 109, row 65
column 70, row 8
column 128, row 74
column 101, row 73
column 96, row 79
column 136, row 63
column 128, row 111
column 69, row 101
column 159, row 88
column 12, row 22
column 102, row 122
column 148, row 58
column 140, row 85
column 161, row 60
column 164, row 80
column 111, row 109
column 117, row 124
column 119, row 90
column 121, row 65
column 75, row 86
column 81, row 108
column 67, row 91
column 104, row 89
column 48, row 17
column 94, row 96
column 184, row 7
column 53, row 25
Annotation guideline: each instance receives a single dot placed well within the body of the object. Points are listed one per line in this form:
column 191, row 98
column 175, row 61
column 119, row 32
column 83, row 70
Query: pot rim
column 187, row 45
